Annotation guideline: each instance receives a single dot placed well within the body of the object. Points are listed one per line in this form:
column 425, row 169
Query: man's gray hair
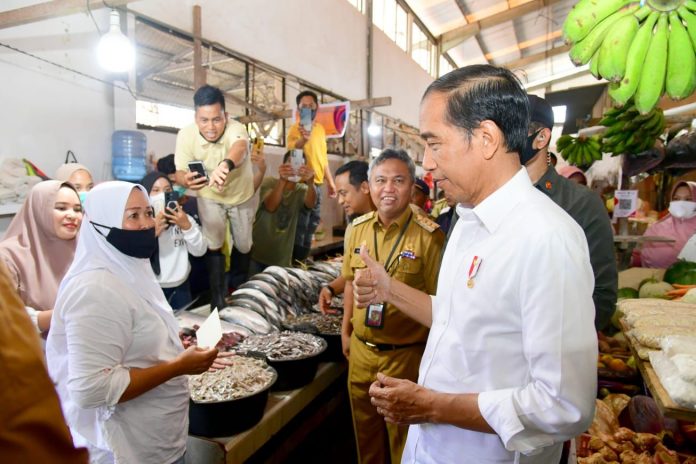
column 391, row 153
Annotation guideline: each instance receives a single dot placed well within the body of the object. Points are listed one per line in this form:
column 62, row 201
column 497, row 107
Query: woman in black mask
column 114, row 351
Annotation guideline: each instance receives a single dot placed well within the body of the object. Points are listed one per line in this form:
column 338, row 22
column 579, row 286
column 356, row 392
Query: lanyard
column 396, row 244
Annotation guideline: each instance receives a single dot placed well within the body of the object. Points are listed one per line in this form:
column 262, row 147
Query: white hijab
column 105, row 205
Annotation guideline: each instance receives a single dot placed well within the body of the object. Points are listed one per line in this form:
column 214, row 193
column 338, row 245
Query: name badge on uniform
column 374, row 316
column 408, row 254
column 473, row 270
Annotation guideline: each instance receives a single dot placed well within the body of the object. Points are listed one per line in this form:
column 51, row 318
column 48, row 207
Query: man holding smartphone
column 310, row 136
column 224, row 183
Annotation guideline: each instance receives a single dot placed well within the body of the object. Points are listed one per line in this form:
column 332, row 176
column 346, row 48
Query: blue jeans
column 178, row 297
column 307, row 222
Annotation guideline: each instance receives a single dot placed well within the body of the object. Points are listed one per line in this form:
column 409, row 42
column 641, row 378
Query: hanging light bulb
column 373, row 130
column 115, row 52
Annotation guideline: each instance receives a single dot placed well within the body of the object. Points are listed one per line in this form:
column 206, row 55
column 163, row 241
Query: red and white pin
column 473, row 270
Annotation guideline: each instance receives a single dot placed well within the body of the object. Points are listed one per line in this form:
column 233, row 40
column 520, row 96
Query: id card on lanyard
column 374, row 316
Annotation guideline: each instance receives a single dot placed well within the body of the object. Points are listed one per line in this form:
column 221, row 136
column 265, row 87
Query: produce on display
column 228, row 341
column 682, row 272
column 643, row 48
column 246, row 376
column 329, row 324
column 579, row 151
column 628, row 131
column 631, row 431
column 654, row 290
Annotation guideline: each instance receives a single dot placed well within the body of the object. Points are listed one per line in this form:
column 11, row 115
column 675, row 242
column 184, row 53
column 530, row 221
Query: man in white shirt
column 508, row 372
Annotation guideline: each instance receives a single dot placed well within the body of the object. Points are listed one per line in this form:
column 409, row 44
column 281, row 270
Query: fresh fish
column 269, row 307
column 247, row 318
column 245, row 377
column 284, row 345
column 279, row 273
column 261, row 286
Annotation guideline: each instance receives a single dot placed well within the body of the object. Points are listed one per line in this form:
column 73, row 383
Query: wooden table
column 328, row 244
column 666, row 404
column 282, row 407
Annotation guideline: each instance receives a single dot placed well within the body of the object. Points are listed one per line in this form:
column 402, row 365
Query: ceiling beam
column 284, row 114
column 456, row 36
column 527, row 60
column 518, row 47
column 465, row 12
column 53, row 9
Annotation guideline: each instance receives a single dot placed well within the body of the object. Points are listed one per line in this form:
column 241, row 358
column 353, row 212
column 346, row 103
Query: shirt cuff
column 34, row 316
column 118, row 383
column 498, row 409
column 193, row 231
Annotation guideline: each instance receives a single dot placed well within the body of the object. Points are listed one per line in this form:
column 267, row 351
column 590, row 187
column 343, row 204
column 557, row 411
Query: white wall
column 47, row 110
column 320, row 41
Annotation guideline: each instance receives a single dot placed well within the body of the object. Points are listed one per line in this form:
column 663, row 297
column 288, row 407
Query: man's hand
column 306, row 175
column 177, row 216
column 219, row 176
column 371, row 284
column 325, row 299
column 285, row 171
column 345, row 344
column 304, row 133
column 331, row 189
column 258, row 159
column 193, row 181
column 401, row 401
column 160, row 223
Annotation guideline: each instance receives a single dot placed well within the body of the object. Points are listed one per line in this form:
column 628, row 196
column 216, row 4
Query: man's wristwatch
column 331, row 290
column 229, row 162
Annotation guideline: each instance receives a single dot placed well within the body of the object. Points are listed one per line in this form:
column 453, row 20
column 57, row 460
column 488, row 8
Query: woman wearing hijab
column 39, row 246
column 573, row 173
column 178, row 234
column 78, row 175
column 679, row 224
column 114, row 348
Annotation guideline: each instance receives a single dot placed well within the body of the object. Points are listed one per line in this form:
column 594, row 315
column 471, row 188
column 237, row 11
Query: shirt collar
column 202, row 140
column 493, row 210
column 548, row 183
column 400, row 221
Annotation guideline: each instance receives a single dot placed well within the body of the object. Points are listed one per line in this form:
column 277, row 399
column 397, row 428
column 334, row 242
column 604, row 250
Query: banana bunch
column 629, row 131
column 579, row 151
column 643, row 48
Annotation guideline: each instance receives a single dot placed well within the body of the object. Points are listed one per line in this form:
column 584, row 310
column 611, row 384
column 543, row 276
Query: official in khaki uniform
column 383, row 338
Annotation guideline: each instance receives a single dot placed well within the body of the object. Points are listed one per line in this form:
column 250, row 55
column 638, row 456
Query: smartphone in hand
column 296, row 161
column 258, row 143
column 306, row 118
column 198, row 168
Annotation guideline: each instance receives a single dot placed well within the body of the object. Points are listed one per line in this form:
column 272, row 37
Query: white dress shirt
column 101, row 329
column 522, row 336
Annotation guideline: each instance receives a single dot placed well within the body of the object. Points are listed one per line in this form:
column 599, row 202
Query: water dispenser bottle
column 128, row 155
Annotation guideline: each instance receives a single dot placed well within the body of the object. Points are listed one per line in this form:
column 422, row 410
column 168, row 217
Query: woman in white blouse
column 114, row 349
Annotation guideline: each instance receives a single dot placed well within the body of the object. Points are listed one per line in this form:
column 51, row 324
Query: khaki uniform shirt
column 191, row 146
column 416, row 262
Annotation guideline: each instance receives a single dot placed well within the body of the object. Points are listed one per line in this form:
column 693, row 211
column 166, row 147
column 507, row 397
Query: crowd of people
column 461, row 315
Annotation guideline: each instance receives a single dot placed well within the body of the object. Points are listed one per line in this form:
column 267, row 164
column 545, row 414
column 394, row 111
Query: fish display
column 284, row 346
column 245, row 377
column 327, row 324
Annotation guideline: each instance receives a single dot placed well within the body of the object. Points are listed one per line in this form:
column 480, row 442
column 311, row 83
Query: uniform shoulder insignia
column 364, row 218
column 425, row 222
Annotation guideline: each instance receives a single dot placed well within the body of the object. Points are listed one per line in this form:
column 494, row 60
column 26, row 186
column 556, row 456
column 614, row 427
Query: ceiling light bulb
column 115, row 52
column 374, row 130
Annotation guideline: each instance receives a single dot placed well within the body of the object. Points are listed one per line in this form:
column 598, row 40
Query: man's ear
column 365, row 187
column 543, row 139
column 491, row 138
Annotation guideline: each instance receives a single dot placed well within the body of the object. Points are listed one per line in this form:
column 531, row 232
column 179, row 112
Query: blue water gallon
column 128, row 155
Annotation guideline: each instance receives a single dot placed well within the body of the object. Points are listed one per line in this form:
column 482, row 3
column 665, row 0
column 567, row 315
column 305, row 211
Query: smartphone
column 296, row 161
column 158, row 206
column 171, row 199
column 306, row 118
column 197, row 167
column 258, row 143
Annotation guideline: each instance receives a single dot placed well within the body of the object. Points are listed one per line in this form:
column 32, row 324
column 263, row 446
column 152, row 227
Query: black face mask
column 135, row 243
column 528, row 152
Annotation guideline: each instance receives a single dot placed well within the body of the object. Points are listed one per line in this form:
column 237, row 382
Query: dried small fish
column 244, row 377
column 329, row 324
column 284, row 346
